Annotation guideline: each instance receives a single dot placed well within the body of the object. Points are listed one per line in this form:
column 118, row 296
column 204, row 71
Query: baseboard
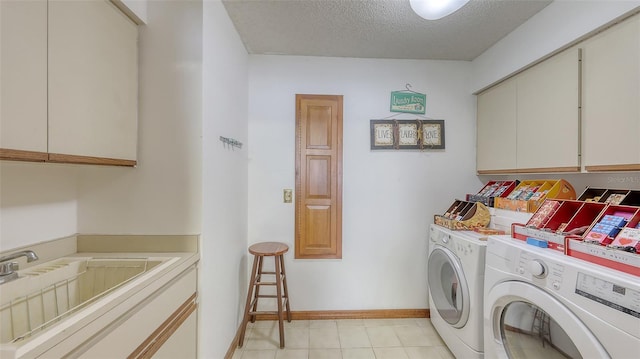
column 234, row 345
column 351, row 314
column 338, row 314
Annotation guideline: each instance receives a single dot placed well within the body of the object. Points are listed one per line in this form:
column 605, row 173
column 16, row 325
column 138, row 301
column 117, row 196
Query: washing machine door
column 526, row 322
column 448, row 287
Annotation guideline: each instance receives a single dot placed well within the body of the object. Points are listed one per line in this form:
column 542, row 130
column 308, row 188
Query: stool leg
column 279, row 297
column 247, row 306
column 257, row 291
column 286, row 292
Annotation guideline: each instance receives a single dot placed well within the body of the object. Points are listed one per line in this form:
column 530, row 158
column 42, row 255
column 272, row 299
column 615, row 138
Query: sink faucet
column 8, row 269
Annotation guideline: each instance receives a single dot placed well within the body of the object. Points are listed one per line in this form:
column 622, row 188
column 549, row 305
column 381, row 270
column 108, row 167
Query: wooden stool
column 259, row 251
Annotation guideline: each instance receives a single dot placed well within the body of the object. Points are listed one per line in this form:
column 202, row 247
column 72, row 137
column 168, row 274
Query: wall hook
column 231, row 142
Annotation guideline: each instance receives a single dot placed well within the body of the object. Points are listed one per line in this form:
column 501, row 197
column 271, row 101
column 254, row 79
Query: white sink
column 47, row 293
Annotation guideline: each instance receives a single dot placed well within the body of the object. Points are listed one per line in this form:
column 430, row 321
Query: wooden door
column 318, row 222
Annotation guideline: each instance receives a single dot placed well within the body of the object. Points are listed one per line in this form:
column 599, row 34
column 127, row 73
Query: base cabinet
column 182, row 343
column 165, row 326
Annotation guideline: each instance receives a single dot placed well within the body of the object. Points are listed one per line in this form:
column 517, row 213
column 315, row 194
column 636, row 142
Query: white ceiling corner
column 374, row 28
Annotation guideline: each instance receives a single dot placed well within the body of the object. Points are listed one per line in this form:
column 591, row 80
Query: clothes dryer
column 540, row 303
column 455, row 279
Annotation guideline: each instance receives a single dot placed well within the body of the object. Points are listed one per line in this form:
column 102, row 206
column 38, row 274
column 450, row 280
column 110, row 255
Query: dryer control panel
column 610, row 294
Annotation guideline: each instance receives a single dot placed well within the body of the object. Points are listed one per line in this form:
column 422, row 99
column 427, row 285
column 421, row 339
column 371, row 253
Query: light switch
column 288, row 195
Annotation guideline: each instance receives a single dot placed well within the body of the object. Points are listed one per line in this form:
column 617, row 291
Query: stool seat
column 268, row 249
column 260, row 251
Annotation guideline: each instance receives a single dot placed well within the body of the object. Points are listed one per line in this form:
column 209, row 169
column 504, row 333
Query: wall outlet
column 288, row 195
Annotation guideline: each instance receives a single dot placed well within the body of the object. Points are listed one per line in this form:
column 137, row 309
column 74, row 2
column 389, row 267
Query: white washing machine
column 540, row 303
column 456, row 277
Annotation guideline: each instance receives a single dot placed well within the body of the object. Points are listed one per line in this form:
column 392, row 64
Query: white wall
column 38, row 202
column 163, row 194
column 558, row 24
column 389, row 197
column 223, row 279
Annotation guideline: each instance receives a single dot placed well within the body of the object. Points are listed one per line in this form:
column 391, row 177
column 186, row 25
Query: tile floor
column 412, row 338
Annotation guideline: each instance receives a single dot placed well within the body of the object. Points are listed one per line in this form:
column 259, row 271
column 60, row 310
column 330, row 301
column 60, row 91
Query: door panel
column 319, row 177
column 319, row 126
column 317, row 238
column 318, row 211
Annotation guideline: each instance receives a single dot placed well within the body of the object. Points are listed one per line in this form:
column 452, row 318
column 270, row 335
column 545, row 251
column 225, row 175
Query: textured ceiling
column 374, row 28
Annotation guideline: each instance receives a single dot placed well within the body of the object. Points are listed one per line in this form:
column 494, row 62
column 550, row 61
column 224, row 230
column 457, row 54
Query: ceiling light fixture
column 436, row 9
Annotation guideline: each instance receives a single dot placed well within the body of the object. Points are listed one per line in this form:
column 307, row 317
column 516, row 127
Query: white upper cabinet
column 69, row 76
column 496, row 128
column 23, row 70
column 548, row 115
column 530, row 122
column 93, row 81
column 611, row 98
column 578, row 110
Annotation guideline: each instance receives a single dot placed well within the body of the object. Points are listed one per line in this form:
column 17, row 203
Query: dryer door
column 526, row 322
column 448, row 287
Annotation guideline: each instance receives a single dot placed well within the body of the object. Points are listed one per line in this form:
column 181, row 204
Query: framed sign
column 433, row 134
column 382, row 134
column 408, row 137
column 407, row 134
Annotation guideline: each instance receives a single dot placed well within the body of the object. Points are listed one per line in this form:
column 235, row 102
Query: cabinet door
column 92, row 81
column 23, row 69
column 138, row 330
column 611, row 93
column 496, row 129
column 547, row 115
column 183, row 343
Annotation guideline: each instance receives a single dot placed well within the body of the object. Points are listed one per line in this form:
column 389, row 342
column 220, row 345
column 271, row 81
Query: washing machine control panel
column 464, row 249
column 461, row 243
column 537, row 268
column 547, row 274
column 556, row 274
